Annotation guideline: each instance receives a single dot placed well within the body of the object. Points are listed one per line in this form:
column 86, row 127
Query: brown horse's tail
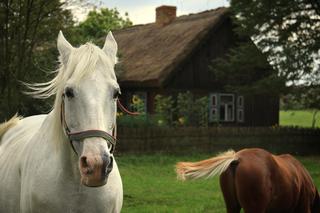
column 4, row 127
column 206, row 168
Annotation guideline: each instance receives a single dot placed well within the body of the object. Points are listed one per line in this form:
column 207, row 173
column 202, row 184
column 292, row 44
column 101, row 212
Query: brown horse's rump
column 260, row 182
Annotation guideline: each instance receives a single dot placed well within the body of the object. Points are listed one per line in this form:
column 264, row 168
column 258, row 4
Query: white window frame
column 213, row 107
column 226, row 111
column 240, row 108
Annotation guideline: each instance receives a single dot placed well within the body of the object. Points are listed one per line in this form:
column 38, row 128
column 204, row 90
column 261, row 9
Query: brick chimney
column 165, row 15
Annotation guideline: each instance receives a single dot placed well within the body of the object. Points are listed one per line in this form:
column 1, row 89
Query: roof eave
column 139, row 84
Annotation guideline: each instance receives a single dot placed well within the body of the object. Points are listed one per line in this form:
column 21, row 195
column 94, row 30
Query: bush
column 142, row 120
column 189, row 111
column 164, row 110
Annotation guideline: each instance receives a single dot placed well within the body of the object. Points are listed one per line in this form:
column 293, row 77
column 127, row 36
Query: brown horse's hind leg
column 253, row 186
column 229, row 191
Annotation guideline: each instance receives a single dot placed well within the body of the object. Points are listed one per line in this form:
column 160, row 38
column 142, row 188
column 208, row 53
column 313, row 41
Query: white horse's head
column 88, row 105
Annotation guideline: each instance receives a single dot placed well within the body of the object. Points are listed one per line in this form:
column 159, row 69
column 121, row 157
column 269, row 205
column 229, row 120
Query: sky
column 143, row 11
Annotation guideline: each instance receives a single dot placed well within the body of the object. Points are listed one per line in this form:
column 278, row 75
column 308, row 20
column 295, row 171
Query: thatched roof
column 150, row 53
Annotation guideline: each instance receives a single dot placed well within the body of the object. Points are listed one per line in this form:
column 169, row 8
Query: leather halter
column 79, row 136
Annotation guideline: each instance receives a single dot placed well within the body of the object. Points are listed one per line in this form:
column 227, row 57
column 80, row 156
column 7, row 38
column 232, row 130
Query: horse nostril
column 111, row 162
column 110, row 166
column 83, row 162
column 108, row 163
column 106, row 159
column 84, row 165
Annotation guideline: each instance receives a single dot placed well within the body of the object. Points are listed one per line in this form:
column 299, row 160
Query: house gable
column 195, row 72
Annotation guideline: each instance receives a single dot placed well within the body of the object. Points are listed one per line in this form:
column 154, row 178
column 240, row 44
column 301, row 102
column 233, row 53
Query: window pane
column 230, row 113
column 214, row 115
column 226, row 107
column 214, row 100
column 222, row 113
column 240, row 101
column 226, row 99
column 240, row 115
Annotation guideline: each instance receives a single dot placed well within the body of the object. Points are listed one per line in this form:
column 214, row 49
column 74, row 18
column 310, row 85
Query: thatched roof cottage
column 173, row 55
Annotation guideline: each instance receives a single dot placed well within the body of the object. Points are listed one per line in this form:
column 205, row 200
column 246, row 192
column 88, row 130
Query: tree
column 28, row 28
column 311, row 100
column 28, row 33
column 288, row 34
column 287, row 31
column 100, row 21
column 246, row 70
column 301, row 98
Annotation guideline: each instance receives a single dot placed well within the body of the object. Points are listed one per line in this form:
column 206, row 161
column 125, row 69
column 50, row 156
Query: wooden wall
column 194, row 72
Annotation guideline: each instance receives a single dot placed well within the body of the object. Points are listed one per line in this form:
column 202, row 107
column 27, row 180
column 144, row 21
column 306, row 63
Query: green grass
column 150, row 185
column 301, row 118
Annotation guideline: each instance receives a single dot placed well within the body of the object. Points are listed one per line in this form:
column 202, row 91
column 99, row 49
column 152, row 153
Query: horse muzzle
column 95, row 169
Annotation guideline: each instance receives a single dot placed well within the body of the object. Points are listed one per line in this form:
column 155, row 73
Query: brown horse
column 258, row 182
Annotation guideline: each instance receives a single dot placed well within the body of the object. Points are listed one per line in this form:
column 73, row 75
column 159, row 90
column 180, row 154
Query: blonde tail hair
column 206, row 168
column 4, row 127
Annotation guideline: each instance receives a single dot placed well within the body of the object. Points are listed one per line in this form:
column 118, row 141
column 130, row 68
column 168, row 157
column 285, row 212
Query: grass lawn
column 150, row 185
column 301, row 118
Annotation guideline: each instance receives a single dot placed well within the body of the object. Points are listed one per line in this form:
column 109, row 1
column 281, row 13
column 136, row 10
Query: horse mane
column 82, row 61
column 5, row 126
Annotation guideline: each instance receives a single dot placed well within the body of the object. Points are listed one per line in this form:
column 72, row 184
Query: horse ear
column 64, row 48
column 110, row 47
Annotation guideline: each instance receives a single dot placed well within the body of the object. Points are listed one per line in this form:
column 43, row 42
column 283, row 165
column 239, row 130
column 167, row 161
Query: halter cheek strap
column 81, row 135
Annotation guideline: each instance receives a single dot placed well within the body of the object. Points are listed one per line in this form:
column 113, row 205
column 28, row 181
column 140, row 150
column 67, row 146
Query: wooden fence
column 296, row 141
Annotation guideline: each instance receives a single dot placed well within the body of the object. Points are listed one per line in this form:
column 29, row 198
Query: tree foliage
column 303, row 98
column 311, row 100
column 100, row 21
column 28, row 33
column 284, row 33
column 287, row 31
column 246, row 70
column 27, row 29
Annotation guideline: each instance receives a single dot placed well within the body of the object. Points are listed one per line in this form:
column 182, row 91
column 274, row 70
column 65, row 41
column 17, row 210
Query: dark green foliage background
column 28, row 53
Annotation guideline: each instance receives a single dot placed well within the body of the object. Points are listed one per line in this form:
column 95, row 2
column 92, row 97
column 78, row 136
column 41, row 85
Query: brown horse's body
column 259, row 182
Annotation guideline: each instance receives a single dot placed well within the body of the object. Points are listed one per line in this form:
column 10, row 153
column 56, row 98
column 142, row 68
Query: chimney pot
column 165, row 15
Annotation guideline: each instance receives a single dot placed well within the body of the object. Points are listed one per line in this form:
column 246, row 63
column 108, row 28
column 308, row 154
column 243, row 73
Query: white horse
column 63, row 161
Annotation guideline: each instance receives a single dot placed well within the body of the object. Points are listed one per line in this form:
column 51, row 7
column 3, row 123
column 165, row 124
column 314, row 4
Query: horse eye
column 69, row 92
column 116, row 94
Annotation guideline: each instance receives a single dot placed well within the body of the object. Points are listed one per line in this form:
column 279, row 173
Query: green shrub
column 192, row 111
column 164, row 110
column 189, row 111
column 142, row 120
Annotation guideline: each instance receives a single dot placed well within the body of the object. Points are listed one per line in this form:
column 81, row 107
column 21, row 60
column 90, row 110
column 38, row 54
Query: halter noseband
column 78, row 136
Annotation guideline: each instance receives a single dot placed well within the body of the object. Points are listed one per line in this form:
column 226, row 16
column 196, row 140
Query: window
column 213, row 108
column 226, row 107
column 240, row 109
column 221, row 107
